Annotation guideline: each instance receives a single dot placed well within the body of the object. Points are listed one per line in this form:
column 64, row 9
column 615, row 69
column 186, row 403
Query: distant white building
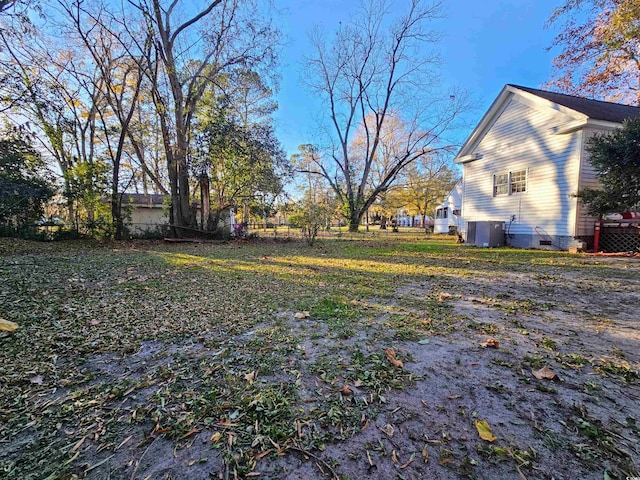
column 404, row 219
column 448, row 213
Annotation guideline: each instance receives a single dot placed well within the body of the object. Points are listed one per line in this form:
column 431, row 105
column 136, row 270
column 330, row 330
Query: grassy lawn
column 354, row 358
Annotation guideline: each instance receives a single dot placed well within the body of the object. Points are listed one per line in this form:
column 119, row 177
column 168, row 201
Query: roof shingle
column 596, row 109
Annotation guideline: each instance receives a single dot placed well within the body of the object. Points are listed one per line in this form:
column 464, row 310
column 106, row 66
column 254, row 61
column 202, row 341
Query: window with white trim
column 510, row 183
column 519, row 181
column 441, row 213
column 501, row 184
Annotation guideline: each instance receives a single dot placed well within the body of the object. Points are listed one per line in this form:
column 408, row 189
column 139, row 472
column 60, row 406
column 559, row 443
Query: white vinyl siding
column 588, row 179
column 522, row 139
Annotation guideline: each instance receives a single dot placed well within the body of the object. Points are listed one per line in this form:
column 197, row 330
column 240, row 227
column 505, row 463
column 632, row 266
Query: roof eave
column 499, row 103
column 486, row 120
column 580, row 124
column 606, row 124
column 468, row 158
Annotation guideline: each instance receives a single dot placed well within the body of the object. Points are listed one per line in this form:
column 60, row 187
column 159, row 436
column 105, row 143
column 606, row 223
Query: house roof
column 584, row 111
column 595, row 109
column 152, row 199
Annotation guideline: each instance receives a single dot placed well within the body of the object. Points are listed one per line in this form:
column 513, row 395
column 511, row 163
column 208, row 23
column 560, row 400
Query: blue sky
column 486, row 44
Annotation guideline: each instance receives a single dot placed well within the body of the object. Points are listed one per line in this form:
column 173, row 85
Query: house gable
column 510, row 94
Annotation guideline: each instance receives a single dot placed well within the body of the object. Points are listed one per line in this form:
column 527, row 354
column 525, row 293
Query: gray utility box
column 486, row 234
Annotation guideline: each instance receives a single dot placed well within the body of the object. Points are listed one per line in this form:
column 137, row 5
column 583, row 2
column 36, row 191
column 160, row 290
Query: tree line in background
column 158, row 96
column 149, row 96
column 146, row 96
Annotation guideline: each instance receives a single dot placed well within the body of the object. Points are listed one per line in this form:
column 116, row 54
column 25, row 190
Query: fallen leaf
column 7, row 326
column 544, row 372
column 304, row 314
column 77, row 445
column 446, row 460
column 490, row 343
column 394, row 457
column 274, row 444
column 357, row 383
column 253, row 474
column 251, row 376
column 123, row 442
column 391, row 356
column 388, row 429
column 38, row 380
column 71, row 459
column 94, row 322
column 189, row 433
column 346, row 390
column 424, row 342
column 425, row 454
column 263, row 454
column 409, row 462
column 442, row 296
column 484, row 430
column 216, row 437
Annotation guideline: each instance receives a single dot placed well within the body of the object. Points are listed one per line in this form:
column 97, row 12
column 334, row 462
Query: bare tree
column 6, row 5
column 51, row 88
column 120, row 81
column 376, row 69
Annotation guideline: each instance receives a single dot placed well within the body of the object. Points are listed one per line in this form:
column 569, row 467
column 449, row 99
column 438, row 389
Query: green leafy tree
column 191, row 54
column 238, row 164
column 24, row 189
column 616, row 158
column 235, row 155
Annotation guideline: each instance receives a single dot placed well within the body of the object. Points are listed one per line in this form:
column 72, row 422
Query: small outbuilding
column 147, row 215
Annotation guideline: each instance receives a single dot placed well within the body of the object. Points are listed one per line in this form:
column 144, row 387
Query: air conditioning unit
column 486, row 234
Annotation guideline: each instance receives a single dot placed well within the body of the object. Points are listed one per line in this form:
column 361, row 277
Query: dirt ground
column 471, row 343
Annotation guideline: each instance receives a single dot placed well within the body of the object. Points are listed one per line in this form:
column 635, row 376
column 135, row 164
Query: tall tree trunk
column 205, row 200
column 116, row 215
column 355, row 216
column 186, row 213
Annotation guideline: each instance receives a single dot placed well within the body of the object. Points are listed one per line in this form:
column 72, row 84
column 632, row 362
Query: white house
column 526, row 160
column 448, row 213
